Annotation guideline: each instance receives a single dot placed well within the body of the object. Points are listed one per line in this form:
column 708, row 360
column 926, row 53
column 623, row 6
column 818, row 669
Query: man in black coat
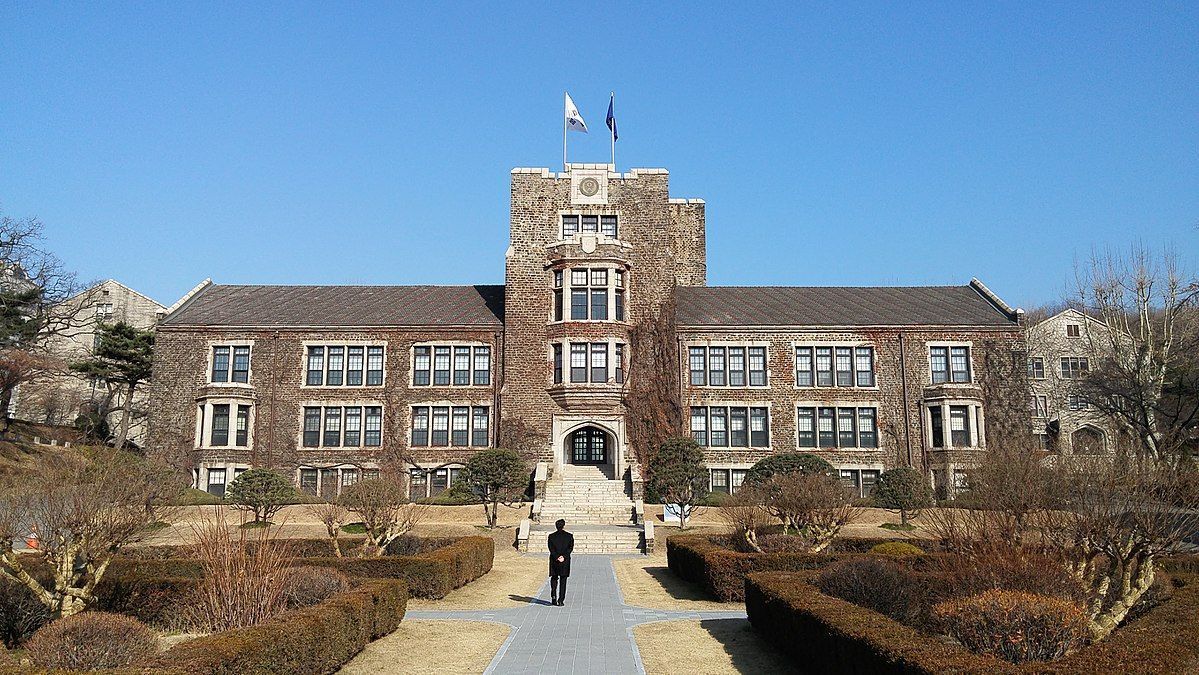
column 561, row 543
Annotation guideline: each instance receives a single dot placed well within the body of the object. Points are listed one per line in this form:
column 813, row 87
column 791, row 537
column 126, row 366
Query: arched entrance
column 589, row 445
column 1088, row 441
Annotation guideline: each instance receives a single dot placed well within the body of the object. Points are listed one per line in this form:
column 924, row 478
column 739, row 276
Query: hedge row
column 319, row 639
column 721, row 571
column 827, row 634
column 432, row 573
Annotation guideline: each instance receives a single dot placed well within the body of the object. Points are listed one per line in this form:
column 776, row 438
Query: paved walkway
column 593, row 633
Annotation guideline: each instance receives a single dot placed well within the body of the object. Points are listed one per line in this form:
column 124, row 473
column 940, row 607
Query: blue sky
column 847, row 143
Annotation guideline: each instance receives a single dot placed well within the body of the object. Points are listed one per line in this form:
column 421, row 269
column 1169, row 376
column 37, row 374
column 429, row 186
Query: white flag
column 574, row 121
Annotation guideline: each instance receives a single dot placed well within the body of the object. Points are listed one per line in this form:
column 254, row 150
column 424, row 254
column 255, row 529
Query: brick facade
column 658, row 247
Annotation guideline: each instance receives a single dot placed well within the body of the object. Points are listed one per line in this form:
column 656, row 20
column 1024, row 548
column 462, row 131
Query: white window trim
column 203, row 437
column 231, row 344
column 928, row 359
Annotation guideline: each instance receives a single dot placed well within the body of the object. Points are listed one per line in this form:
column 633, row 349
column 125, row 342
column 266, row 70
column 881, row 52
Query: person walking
column 561, row 543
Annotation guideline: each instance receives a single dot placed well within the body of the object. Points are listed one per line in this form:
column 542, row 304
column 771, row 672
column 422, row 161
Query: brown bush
column 91, row 641
column 1015, row 626
column 242, row 585
column 307, row 586
column 20, row 613
column 1009, row 569
column 876, row 583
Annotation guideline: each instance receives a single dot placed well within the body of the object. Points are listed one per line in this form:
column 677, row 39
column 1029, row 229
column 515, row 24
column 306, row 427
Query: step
column 593, row 539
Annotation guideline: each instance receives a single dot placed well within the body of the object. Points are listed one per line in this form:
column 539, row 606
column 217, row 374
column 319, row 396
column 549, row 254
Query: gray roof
column 342, row 306
column 840, row 306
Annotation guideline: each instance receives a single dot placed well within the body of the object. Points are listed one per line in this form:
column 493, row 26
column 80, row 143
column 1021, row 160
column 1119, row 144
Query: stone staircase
column 584, row 495
column 598, row 510
column 610, row 539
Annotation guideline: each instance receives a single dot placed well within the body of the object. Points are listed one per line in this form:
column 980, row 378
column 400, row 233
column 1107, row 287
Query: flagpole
column 564, row 166
column 612, row 131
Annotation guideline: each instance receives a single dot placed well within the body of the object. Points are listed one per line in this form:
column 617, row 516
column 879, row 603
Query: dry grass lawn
column 512, row 581
column 706, row 646
column 647, row 582
column 410, row 649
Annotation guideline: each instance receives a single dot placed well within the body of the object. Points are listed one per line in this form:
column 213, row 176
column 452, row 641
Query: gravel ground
column 421, row 647
column 706, row 646
column 647, row 582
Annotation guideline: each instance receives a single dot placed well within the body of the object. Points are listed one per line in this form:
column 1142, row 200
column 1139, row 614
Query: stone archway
column 589, row 445
column 1088, row 441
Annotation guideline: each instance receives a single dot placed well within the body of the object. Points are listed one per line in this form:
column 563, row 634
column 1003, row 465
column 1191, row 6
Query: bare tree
column 814, row 506
column 333, row 516
column 745, row 515
column 244, row 581
column 1111, row 522
column 39, row 300
column 83, row 511
column 385, row 511
column 517, row 434
column 1147, row 330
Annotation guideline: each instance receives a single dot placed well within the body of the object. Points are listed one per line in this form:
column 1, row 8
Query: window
column 335, row 370
column 461, row 366
column 340, row 365
column 720, row 481
column 482, row 366
column 421, row 365
column 735, row 426
column 949, row 364
column 1073, row 330
column 104, row 311
column 834, row 366
column 216, row 482
column 242, row 436
column 606, row 224
column 1036, row 368
column 578, row 362
column 859, row 483
column 1039, row 406
column 337, row 426
column 618, row 364
column 441, row 366
column 417, row 487
column 959, row 425
column 220, row 425
column 557, row 363
column 599, row 362
column 458, row 426
column 349, row 477
column 308, row 481
column 837, row 427
column 1074, row 368
column 592, row 293
column 589, row 362
column 936, row 426
column 374, row 366
column 716, row 367
column 235, row 369
column 719, row 366
column 1076, row 402
column 697, row 357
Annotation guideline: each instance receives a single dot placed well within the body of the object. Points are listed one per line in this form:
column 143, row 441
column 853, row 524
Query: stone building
column 333, row 383
column 58, row 397
column 1061, row 351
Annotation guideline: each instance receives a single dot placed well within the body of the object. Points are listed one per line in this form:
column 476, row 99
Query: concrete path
column 593, row 633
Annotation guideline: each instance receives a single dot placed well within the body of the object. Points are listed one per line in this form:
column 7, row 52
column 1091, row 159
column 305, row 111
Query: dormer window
column 573, row 223
column 1073, row 330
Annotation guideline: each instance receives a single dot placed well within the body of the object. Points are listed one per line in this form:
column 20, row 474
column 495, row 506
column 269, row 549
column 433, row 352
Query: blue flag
column 612, row 117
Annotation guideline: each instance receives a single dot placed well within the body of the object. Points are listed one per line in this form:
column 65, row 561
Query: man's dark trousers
column 561, row 543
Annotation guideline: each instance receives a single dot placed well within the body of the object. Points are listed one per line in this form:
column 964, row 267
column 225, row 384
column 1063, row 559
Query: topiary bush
column 788, row 462
column 1013, row 625
column 903, row 489
column 92, row 641
column 262, row 492
column 308, row 586
column 898, row 549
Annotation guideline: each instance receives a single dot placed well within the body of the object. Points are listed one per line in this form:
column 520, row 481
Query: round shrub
column 308, row 586
column 902, row 489
column 899, row 549
column 21, row 613
column 788, row 462
column 92, row 641
column 874, row 583
column 1013, row 625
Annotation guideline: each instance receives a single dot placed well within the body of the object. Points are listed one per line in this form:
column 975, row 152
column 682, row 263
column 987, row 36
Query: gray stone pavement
column 593, row 633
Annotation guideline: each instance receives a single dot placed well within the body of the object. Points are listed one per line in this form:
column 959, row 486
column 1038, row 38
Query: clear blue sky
column 860, row 144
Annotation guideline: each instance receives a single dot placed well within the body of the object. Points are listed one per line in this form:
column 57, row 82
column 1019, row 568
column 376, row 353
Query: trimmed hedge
column 827, row 634
column 721, row 571
column 317, row 639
